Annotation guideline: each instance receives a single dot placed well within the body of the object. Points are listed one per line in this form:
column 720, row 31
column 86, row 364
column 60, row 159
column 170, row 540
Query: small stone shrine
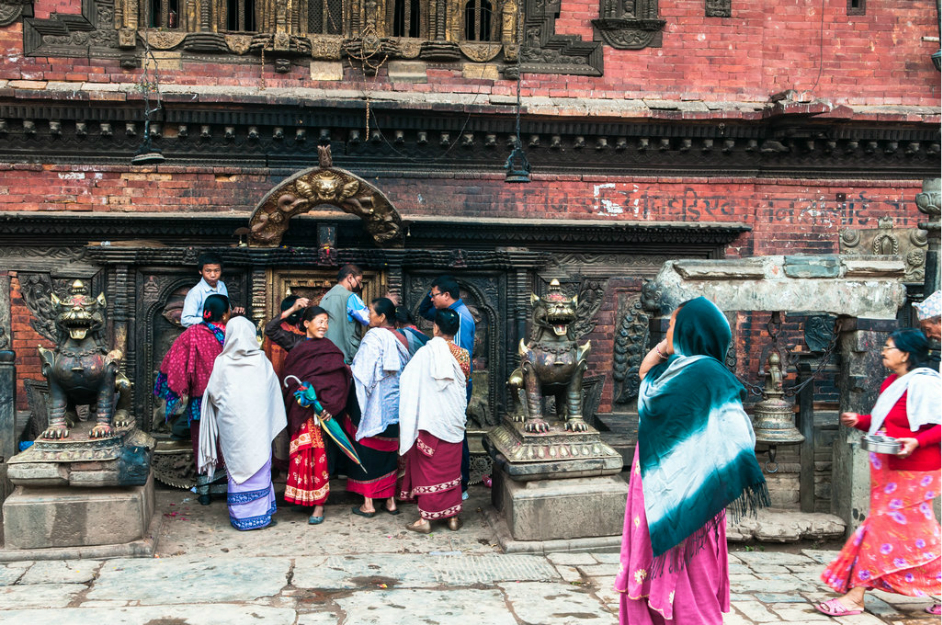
column 84, row 488
column 554, row 478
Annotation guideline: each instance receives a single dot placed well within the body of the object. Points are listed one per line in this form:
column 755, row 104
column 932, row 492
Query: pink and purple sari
column 697, row 592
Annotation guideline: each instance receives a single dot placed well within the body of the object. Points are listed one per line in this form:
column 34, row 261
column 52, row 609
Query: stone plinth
column 121, row 460
column 43, row 518
column 81, row 497
column 557, row 486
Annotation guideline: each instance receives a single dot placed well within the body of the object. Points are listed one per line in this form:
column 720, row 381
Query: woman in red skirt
column 432, row 409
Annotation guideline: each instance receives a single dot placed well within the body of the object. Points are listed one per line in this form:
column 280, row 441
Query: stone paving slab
column 418, row 571
column 162, row 581
column 158, row 615
column 37, row 596
column 61, row 572
column 9, row 575
column 765, row 558
column 426, row 607
column 556, row 604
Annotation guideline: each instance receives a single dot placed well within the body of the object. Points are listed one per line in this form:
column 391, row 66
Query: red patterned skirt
column 308, row 480
column 896, row 548
column 433, row 477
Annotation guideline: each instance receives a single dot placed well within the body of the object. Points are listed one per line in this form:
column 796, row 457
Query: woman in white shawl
column 372, row 419
column 243, row 408
column 431, row 425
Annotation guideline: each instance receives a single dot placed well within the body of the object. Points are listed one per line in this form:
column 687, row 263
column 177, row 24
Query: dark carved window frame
column 629, row 24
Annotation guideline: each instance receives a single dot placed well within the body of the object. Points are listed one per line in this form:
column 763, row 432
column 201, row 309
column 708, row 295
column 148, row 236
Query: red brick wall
column 787, row 216
column 764, row 48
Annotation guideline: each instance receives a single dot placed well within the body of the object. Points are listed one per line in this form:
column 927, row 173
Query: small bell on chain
column 773, row 417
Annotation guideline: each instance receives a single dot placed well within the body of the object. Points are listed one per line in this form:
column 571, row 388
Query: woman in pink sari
column 695, row 457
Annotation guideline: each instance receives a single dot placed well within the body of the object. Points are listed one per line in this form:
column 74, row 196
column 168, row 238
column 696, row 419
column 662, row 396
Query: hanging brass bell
column 773, row 417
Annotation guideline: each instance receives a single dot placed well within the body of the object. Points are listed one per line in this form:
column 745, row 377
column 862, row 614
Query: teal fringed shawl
column 695, row 441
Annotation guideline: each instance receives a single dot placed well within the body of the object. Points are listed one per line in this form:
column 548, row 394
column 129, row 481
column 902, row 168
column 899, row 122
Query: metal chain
column 774, row 330
column 146, row 85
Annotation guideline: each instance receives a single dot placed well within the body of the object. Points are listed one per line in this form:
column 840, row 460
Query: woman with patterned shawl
column 243, row 412
column 695, row 457
column 287, row 323
column 406, row 325
column 184, row 373
column 318, row 362
column 431, row 425
column 372, row 421
column 897, row 547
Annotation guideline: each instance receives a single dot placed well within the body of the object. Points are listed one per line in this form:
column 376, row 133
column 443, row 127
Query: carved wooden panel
column 486, row 296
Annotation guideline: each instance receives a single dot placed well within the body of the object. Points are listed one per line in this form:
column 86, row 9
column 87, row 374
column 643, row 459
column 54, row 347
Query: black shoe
column 204, row 500
column 356, row 510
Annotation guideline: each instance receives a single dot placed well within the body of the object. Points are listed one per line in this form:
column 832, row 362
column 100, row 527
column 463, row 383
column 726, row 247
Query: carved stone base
column 556, row 486
column 122, row 460
column 556, row 454
column 561, row 509
column 48, row 518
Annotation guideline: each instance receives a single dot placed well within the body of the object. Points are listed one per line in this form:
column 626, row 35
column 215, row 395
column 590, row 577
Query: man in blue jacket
column 445, row 293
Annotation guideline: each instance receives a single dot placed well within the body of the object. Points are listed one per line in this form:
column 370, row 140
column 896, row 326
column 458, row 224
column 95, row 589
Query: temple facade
column 136, row 133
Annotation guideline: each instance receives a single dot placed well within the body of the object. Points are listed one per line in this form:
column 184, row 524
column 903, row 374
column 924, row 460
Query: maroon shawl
column 319, row 362
column 189, row 361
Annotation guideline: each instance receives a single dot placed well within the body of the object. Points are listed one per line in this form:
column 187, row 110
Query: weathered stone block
column 564, row 509
column 39, row 518
column 326, row 70
column 812, row 266
column 747, row 269
column 408, row 71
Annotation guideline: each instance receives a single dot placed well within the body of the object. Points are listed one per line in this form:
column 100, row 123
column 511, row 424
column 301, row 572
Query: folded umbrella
column 307, row 397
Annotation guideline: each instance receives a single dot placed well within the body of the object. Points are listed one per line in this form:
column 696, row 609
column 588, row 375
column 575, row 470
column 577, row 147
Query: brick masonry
column 876, row 59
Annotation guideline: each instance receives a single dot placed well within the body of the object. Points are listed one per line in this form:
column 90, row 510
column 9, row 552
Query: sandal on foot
column 935, row 609
column 425, row 528
column 356, row 510
column 315, row 520
column 454, row 523
column 392, row 512
column 834, row 607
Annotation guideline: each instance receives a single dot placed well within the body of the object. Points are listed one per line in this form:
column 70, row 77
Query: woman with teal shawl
column 695, row 458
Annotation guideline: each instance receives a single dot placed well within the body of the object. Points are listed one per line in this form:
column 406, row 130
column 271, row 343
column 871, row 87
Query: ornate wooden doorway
column 313, row 283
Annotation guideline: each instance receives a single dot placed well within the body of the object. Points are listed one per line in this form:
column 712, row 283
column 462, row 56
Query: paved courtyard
column 356, row 571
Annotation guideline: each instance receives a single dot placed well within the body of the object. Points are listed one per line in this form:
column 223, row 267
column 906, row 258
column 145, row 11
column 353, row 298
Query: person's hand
column 301, row 302
column 238, row 310
column 909, row 446
column 663, row 350
column 850, row 419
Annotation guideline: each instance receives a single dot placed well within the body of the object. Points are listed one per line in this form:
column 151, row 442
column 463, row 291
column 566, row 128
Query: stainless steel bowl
column 881, row 444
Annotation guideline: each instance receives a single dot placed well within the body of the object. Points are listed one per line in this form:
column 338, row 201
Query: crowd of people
column 340, row 388
column 346, row 388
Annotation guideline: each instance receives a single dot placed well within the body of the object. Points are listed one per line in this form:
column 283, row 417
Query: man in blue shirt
column 210, row 270
column 445, row 293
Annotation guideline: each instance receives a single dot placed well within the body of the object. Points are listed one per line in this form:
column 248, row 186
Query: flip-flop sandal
column 392, row 512
column 356, row 510
column 935, row 609
column 834, row 607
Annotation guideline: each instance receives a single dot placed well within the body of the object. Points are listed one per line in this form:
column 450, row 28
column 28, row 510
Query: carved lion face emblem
column 78, row 314
column 555, row 311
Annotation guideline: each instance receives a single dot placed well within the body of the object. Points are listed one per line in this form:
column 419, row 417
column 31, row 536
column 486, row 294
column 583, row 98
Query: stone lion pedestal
column 82, row 497
column 555, row 491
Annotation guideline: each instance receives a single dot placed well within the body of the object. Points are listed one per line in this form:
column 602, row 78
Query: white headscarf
column 923, row 398
column 242, row 405
column 432, row 396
